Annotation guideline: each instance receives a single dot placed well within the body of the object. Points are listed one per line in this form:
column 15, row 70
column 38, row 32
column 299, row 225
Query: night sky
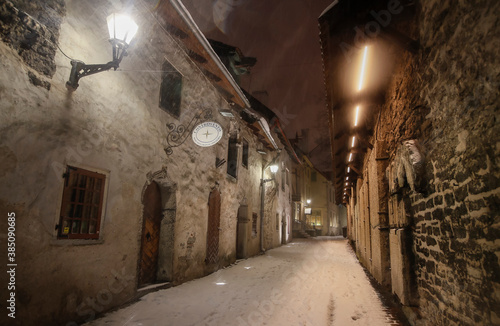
column 284, row 37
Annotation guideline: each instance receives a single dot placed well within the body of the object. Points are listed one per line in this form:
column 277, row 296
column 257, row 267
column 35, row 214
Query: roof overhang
column 342, row 26
column 177, row 20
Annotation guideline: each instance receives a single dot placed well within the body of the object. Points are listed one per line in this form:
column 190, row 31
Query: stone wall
column 446, row 97
column 113, row 124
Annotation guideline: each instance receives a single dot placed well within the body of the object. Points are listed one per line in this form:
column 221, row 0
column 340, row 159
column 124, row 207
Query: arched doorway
column 150, row 240
column 213, row 227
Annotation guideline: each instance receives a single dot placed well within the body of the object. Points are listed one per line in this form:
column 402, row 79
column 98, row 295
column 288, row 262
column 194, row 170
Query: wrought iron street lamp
column 122, row 30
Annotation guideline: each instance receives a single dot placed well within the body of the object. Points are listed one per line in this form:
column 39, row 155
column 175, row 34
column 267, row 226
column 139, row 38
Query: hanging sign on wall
column 207, row 134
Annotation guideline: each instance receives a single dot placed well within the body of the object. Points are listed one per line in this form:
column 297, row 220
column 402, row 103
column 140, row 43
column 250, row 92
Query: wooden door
column 213, row 227
column 150, row 234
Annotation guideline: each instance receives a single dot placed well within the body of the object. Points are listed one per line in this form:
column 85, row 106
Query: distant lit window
column 82, row 202
column 170, row 90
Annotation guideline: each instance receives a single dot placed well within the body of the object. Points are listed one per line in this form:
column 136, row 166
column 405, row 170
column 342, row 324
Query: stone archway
column 166, row 191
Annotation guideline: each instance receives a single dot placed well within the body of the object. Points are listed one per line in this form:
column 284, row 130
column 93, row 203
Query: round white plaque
column 207, row 134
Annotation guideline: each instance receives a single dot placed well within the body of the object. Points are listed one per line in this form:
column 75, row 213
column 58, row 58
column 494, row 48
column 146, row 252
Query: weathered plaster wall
column 111, row 123
column 446, row 98
column 276, row 203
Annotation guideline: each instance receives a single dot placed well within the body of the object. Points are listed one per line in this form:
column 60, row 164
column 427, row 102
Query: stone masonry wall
column 447, row 97
column 111, row 123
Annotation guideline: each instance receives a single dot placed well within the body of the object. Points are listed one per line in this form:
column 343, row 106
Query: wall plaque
column 207, row 134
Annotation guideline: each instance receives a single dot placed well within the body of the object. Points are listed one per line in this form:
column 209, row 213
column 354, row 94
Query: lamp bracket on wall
column 122, row 30
column 79, row 69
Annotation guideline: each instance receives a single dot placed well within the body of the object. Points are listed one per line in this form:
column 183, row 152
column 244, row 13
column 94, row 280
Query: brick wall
column 446, row 97
column 32, row 29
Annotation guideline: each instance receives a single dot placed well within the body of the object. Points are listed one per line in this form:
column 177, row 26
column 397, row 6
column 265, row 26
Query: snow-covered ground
column 307, row 282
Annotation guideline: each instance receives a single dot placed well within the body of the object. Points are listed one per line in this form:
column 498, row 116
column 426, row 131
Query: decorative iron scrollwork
column 178, row 134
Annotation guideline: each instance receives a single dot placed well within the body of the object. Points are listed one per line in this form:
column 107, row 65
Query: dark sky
column 284, row 37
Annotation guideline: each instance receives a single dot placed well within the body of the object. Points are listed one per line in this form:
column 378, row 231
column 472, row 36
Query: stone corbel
column 407, row 168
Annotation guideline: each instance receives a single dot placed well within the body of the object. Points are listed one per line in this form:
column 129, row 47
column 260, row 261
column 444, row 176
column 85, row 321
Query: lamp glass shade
column 121, row 28
column 274, row 168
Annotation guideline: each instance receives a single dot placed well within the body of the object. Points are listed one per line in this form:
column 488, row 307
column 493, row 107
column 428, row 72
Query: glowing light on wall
column 363, row 66
column 348, row 169
column 350, row 157
column 353, row 139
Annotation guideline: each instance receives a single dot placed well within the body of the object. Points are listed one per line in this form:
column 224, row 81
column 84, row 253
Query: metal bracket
column 79, row 69
column 178, row 134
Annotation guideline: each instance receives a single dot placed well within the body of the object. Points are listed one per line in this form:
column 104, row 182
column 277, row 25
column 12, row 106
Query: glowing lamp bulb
column 121, row 28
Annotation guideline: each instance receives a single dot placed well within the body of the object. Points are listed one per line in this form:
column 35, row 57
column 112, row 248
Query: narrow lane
column 307, row 282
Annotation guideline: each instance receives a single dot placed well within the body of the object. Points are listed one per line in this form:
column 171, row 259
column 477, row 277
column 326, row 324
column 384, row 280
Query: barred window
column 81, row 207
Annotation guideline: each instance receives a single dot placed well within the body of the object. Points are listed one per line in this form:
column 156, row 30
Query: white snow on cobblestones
column 307, row 282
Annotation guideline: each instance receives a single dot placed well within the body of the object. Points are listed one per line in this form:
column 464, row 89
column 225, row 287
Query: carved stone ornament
column 162, row 178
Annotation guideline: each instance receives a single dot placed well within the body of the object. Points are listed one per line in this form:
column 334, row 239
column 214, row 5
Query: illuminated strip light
column 353, row 139
column 363, row 65
column 348, row 169
column 350, row 157
column 346, row 178
column 357, row 115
